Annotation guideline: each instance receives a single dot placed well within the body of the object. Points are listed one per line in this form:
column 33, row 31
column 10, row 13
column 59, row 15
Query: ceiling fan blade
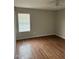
column 57, row 2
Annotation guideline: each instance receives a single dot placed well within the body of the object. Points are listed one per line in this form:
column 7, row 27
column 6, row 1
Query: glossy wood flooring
column 49, row 47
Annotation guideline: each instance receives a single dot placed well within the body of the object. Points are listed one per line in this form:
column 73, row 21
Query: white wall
column 42, row 23
column 60, row 23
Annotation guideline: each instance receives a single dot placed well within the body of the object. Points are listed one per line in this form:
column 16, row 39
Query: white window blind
column 23, row 22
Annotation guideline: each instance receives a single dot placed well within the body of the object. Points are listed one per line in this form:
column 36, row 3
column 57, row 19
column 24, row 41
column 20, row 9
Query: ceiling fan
column 57, row 2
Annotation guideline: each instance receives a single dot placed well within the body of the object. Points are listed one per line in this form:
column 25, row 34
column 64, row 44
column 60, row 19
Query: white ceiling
column 41, row 4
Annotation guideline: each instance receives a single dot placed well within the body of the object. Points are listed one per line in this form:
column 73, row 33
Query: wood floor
column 49, row 47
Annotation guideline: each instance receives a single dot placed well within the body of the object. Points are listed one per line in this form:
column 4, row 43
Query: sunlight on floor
column 25, row 51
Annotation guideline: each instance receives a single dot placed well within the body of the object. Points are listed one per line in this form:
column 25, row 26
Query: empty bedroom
column 40, row 29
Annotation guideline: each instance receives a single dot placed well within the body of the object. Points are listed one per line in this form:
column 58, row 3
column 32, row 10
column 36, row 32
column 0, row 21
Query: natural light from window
column 24, row 22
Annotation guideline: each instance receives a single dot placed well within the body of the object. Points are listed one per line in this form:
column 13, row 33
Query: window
column 23, row 22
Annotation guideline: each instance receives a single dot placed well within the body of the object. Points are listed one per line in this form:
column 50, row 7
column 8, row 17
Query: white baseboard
column 62, row 36
column 20, row 38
